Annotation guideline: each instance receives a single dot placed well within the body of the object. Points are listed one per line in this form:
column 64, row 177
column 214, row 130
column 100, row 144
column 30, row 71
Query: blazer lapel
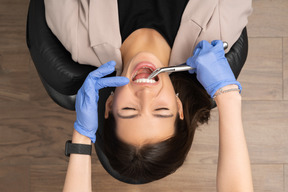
column 194, row 19
column 105, row 40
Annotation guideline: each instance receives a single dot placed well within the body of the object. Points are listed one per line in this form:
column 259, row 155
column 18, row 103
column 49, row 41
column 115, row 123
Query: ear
column 180, row 108
column 108, row 106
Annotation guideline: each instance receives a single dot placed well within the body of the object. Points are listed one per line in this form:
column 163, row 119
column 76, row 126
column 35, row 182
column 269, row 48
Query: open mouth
column 142, row 74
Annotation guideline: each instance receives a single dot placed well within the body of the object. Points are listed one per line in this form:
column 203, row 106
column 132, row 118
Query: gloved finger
column 191, row 62
column 103, row 70
column 206, row 46
column 111, row 82
column 192, row 71
column 196, row 51
column 203, row 44
column 199, row 45
column 217, row 42
column 218, row 45
column 218, row 48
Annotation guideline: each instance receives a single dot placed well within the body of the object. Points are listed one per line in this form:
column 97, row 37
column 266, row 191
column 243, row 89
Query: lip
column 147, row 65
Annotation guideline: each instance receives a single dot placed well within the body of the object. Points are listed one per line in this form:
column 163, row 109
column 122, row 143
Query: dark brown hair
column 155, row 161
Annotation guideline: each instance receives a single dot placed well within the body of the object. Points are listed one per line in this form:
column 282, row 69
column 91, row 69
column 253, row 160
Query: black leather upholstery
column 60, row 75
column 238, row 53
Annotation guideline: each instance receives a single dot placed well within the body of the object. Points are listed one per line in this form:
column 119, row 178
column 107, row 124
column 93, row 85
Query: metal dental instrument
column 170, row 69
column 177, row 68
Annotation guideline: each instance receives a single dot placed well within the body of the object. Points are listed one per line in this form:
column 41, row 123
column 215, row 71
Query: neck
column 145, row 40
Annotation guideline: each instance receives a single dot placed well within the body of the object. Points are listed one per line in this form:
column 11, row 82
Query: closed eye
column 163, row 108
column 128, row 108
column 128, row 113
column 165, row 115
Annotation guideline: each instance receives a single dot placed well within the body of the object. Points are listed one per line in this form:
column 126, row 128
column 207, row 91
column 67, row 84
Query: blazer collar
column 105, row 14
column 105, row 36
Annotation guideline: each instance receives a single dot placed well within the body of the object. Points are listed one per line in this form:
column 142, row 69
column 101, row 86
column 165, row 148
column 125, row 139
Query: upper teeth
column 145, row 81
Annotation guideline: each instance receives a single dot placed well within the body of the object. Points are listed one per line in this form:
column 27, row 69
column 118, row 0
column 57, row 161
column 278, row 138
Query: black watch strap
column 76, row 148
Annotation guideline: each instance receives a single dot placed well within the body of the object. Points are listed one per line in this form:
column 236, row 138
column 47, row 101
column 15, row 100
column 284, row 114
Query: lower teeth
column 145, row 81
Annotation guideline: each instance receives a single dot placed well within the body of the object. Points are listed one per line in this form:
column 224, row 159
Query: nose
column 146, row 95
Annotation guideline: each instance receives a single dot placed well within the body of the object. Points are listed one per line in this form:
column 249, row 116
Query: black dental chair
column 62, row 77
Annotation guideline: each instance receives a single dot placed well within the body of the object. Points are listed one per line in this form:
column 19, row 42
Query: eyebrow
column 137, row 115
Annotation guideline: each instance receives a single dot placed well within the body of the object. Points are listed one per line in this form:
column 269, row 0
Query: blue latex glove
column 211, row 66
column 87, row 98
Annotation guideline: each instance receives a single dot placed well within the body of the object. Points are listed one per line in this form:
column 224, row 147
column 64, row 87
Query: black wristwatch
column 76, row 148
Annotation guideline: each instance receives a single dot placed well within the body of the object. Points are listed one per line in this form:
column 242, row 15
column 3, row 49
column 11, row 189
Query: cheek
column 119, row 91
column 124, row 73
column 120, row 96
column 170, row 101
column 170, row 95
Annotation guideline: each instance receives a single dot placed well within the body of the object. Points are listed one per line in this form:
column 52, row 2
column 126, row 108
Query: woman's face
column 145, row 112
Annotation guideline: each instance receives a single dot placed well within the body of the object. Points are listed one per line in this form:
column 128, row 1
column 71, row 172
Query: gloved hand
column 88, row 96
column 211, row 66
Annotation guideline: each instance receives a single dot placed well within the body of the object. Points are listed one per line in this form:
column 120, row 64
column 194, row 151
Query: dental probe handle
column 183, row 67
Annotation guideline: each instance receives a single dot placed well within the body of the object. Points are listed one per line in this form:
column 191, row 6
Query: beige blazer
column 89, row 29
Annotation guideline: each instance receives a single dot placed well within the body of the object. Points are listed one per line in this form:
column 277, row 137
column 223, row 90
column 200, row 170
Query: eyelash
column 163, row 108
column 129, row 108
column 159, row 109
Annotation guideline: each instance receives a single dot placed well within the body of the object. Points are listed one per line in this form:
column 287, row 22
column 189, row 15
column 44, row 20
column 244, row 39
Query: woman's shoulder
column 69, row 22
column 62, row 19
column 209, row 20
